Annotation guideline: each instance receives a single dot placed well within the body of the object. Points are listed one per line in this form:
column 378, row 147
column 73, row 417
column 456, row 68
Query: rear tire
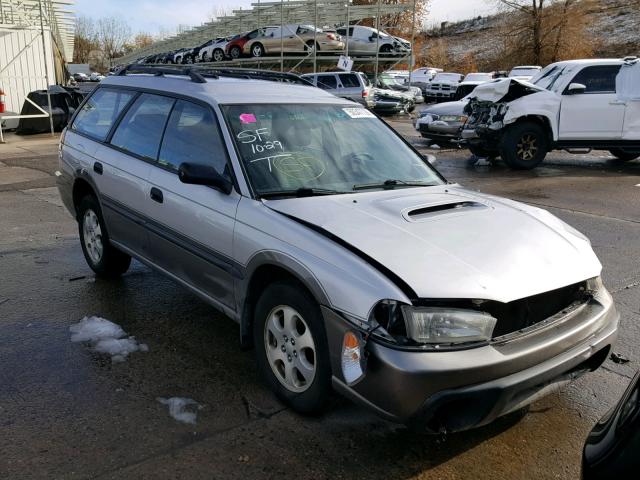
column 235, row 52
column 291, row 346
column 102, row 257
column 624, row 155
column 309, row 47
column 524, row 145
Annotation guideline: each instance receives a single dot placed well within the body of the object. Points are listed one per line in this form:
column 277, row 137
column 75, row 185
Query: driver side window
column 598, row 79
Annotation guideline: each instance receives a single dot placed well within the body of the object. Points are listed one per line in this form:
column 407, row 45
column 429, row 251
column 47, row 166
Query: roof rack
column 198, row 74
column 161, row 71
column 255, row 74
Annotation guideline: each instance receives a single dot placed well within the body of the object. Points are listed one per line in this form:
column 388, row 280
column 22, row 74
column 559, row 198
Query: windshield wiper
column 301, row 192
column 389, row 184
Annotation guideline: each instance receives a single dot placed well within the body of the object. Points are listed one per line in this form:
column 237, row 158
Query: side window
column 141, row 128
column 193, row 136
column 327, row 82
column 342, row 31
column 102, row 109
column 598, row 79
column 349, row 80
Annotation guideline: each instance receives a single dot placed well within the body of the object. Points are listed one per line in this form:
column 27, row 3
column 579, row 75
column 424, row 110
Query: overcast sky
column 153, row 15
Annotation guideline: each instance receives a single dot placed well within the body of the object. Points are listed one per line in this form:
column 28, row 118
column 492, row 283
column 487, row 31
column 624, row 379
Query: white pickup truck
column 575, row 105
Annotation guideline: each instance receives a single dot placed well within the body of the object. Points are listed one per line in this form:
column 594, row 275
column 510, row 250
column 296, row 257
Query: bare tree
column 86, row 39
column 113, row 33
column 544, row 31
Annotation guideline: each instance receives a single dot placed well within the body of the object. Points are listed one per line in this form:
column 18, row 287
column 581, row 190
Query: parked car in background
column 367, row 41
column 233, row 49
column 443, row 122
column 572, row 105
column 347, row 260
column 214, row 52
column 393, row 82
column 81, row 77
column 192, row 55
column 471, row 81
column 350, row 85
column 292, row 38
column 443, row 86
column 387, row 101
column 96, row 77
column 525, row 72
column 178, row 55
column 424, row 74
column 612, row 447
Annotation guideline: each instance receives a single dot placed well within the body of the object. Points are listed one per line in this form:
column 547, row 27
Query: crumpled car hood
column 446, row 242
column 497, row 90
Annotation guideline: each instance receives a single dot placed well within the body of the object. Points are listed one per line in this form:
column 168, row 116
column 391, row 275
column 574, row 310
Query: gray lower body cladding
column 463, row 389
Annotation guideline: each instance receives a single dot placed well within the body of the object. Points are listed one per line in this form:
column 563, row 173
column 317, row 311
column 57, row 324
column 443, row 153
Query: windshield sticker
column 246, row 118
column 358, row 112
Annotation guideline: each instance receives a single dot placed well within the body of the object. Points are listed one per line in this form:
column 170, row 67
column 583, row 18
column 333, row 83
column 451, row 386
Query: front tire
column 218, row 55
column 102, row 257
column 291, row 347
column 310, row 46
column 624, row 155
column 524, row 145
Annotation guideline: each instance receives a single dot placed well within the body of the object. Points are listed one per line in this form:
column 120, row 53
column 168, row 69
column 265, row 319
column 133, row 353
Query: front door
column 191, row 226
column 596, row 114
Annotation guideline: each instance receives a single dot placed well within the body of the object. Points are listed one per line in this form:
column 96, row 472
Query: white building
column 36, row 40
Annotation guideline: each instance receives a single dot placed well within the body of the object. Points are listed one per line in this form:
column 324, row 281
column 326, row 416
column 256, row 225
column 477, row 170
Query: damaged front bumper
column 460, row 389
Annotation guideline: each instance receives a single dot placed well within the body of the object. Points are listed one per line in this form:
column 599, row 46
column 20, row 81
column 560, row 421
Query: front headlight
column 454, row 118
column 434, row 325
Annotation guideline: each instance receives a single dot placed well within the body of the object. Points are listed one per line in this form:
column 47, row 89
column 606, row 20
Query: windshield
column 478, row 77
column 285, row 148
column 548, row 78
column 447, row 77
column 524, row 72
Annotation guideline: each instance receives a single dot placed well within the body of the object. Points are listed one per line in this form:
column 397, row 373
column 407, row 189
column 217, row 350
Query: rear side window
column 349, row 80
column 193, row 136
column 141, row 128
column 100, row 112
column 327, row 82
column 598, row 79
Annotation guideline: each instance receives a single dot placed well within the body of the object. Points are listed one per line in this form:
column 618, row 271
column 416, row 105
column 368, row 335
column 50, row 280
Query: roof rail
column 198, row 73
column 161, row 71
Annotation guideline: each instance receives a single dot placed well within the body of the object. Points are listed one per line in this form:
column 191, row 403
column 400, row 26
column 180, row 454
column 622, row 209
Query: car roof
column 227, row 90
column 592, row 61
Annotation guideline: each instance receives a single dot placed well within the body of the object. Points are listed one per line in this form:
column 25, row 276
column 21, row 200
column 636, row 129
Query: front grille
column 523, row 313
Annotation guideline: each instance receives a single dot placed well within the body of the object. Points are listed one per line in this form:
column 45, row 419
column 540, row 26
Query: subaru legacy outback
column 348, row 261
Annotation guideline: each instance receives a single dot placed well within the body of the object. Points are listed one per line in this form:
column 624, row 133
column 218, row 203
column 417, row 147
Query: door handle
column 97, row 167
column 156, row 195
column 617, row 102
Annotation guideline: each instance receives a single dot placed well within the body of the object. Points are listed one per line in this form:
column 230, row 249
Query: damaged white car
column 575, row 105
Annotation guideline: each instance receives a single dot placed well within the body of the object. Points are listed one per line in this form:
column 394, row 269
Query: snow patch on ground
column 106, row 337
column 182, row 409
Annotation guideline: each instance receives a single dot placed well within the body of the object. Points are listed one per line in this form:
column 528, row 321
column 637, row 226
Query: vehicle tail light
column 365, row 93
column 1, row 101
column 352, row 358
column 331, row 36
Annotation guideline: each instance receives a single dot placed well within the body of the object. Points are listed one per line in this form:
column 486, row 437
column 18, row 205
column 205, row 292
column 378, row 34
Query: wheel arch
column 266, row 268
column 83, row 186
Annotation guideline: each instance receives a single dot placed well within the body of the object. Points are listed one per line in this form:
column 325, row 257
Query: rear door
column 595, row 114
column 191, row 226
column 351, row 87
column 120, row 179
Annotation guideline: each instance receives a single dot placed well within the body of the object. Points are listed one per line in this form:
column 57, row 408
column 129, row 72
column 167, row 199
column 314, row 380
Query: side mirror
column 371, row 38
column 576, row 88
column 195, row 174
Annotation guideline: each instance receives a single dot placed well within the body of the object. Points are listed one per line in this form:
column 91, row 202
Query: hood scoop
column 427, row 212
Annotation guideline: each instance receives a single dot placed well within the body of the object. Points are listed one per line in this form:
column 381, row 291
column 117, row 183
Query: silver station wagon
column 348, row 261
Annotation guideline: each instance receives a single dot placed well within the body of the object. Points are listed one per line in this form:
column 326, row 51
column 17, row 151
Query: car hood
column 496, row 90
column 446, row 242
column 447, row 108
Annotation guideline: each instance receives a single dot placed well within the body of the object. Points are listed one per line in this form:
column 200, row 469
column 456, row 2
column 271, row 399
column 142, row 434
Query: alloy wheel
column 218, row 56
column 256, row 51
column 92, row 236
column 290, row 348
column 527, row 147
